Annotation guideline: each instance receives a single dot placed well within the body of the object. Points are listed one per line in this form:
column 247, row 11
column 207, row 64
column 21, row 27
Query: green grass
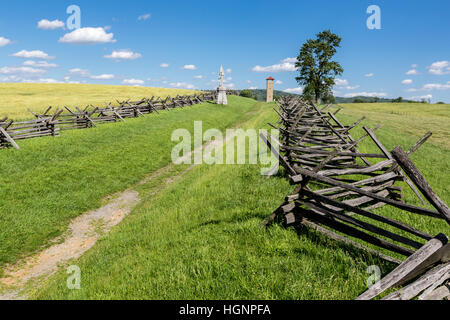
column 201, row 237
column 16, row 98
column 51, row 180
column 407, row 119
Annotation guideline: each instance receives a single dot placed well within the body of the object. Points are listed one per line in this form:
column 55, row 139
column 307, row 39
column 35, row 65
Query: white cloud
column 4, row 41
column 229, row 85
column 190, row 67
column 365, row 94
column 182, row 85
column 278, row 82
column 198, row 77
column 88, row 36
column 40, row 64
column 294, row 90
column 68, row 80
column 253, row 88
column 343, row 84
column 439, row 68
column 426, row 97
column 436, row 86
column 34, row 54
column 289, row 60
column 103, row 77
column 286, row 65
column 134, row 82
column 164, row 65
column 407, row 81
column 48, row 81
column 431, row 87
column 24, row 71
column 50, row 25
column 229, row 79
column 414, row 66
column 369, row 75
column 228, row 71
column 144, row 17
column 80, row 72
column 249, row 81
column 412, row 72
column 123, row 55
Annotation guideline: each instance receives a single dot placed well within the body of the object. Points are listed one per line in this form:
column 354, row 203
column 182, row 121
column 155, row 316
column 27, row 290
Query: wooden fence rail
column 337, row 187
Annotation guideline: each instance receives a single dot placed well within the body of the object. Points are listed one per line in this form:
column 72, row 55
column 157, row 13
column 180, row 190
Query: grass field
column 408, row 119
column 16, row 98
column 52, row 180
column 199, row 237
column 185, row 243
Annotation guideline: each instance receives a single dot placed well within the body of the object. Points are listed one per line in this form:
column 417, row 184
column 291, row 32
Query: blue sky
column 182, row 44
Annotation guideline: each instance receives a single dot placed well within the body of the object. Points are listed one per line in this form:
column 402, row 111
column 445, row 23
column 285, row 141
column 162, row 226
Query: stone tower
column 269, row 89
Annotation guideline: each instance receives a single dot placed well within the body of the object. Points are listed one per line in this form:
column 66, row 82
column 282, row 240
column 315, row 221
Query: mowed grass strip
column 201, row 238
column 51, row 180
column 16, row 98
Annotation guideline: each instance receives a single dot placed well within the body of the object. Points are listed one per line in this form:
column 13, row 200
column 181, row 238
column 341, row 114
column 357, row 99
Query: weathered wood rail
column 55, row 120
column 337, row 189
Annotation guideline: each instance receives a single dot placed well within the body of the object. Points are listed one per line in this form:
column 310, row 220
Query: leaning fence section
column 337, row 189
column 55, row 120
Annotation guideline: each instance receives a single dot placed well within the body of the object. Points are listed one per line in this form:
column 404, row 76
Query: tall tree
column 317, row 70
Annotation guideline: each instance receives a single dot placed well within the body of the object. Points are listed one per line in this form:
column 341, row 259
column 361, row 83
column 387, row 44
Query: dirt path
column 83, row 233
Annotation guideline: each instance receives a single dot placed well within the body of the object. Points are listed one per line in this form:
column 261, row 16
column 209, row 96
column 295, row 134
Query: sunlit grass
column 408, row 119
column 54, row 179
column 201, row 237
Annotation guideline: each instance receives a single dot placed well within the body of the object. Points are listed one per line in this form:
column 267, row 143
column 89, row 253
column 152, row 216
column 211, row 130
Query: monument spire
column 222, row 96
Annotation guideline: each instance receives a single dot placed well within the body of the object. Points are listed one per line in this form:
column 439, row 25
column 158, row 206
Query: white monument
column 222, row 97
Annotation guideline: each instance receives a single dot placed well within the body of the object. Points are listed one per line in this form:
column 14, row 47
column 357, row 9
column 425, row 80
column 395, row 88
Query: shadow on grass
column 353, row 252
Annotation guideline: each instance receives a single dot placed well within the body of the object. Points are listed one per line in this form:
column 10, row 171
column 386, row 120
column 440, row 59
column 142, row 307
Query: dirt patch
column 84, row 232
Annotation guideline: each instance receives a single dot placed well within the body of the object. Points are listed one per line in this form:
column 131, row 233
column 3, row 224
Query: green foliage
column 260, row 94
column 358, row 100
column 246, row 94
column 317, row 70
column 398, row 100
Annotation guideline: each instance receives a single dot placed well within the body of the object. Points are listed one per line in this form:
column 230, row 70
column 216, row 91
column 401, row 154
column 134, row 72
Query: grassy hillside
column 52, row 180
column 201, row 238
column 409, row 119
column 15, row 98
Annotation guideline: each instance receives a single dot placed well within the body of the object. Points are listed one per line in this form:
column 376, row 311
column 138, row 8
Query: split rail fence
column 337, row 188
column 53, row 121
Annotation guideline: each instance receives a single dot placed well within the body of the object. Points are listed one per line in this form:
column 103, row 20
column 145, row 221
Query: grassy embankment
column 16, row 98
column 51, row 180
column 200, row 238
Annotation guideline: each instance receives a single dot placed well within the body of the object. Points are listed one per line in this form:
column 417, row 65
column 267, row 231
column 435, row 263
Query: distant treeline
column 260, row 95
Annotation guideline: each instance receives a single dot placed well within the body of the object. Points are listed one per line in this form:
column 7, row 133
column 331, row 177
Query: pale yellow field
column 413, row 119
column 15, row 98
